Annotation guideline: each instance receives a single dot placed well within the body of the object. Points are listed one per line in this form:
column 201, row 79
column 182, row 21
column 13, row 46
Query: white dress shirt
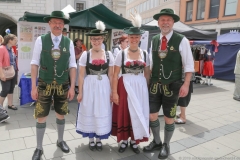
column 185, row 52
column 116, row 50
column 38, row 49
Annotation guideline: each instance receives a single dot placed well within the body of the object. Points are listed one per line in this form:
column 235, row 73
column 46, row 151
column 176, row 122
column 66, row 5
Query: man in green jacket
column 53, row 58
column 170, row 52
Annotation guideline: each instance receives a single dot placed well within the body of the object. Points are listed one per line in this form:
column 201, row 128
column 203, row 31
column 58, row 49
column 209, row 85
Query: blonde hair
column 1, row 39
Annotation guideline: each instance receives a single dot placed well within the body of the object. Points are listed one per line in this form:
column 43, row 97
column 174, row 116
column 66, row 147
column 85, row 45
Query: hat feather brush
column 136, row 19
column 100, row 25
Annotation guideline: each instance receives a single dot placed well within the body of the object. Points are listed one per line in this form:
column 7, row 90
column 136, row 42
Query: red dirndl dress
column 121, row 120
column 208, row 69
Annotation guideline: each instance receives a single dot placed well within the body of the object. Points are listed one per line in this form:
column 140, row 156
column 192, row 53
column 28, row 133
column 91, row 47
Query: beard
column 165, row 29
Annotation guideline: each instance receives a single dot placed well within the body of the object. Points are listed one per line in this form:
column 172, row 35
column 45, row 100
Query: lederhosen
column 53, row 77
column 165, row 81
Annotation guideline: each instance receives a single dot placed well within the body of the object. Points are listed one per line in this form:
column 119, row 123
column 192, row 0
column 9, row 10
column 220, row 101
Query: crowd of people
column 118, row 94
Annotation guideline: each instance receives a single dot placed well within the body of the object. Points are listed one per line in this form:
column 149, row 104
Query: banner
column 116, row 34
column 28, row 32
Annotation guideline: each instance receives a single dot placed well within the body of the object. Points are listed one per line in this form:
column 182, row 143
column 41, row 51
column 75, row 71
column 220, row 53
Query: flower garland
column 135, row 63
column 98, row 62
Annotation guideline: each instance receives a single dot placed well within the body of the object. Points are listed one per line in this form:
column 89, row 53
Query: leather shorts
column 51, row 93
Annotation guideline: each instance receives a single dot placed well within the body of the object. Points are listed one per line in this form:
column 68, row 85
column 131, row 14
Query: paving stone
column 221, row 130
column 6, row 156
column 25, row 154
column 4, row 135
column 22, row 132
column 137, row 157
column 12, row 145
column 176, row 147
column 229, row 128
column 9, row 126
column 188, row 142
column 79, row 155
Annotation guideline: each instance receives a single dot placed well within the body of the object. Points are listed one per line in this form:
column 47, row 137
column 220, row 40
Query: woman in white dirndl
column 95, row 110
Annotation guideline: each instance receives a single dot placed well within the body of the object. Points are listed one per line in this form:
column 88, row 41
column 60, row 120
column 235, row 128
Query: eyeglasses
column 96, row 39
column 55, row 23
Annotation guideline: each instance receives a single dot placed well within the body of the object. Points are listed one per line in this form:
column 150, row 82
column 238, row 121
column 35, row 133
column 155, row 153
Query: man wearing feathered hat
column 54, row 57
column 170, row 52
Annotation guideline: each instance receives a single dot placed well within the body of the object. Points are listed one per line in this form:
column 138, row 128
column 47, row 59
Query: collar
column 168, row 36
column 10, row 48
column 53, row 36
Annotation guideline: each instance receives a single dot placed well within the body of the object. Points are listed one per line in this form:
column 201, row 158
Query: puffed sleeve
column 147, row 59
column 83, row 59
column 111, row 59
column 118, row 60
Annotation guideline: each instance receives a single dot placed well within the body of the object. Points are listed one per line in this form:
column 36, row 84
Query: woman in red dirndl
column 130, row 93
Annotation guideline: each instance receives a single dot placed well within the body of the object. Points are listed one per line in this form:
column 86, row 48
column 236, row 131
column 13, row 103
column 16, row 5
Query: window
column 214, row 8
column 201, row 9
column 10, row 0
column 144, row 6
column 189, row 11
column 80, row 6
column 149, row 4
column 230, row 7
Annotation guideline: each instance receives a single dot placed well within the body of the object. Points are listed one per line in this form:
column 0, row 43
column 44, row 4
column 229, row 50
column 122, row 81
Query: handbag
column 9, row 72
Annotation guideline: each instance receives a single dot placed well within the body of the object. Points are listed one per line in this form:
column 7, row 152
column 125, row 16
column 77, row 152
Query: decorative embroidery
column 47, row 91
column 64, row 108
column 166, row 91
column 135, row 71
column 98, row 73
column 154, row 88
column 98, row 62
column 135, row 63
column 173, row 111
column 60, row 90
column 38, row 110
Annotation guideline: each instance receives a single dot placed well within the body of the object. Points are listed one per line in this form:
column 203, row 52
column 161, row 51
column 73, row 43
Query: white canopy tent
column 68, row 9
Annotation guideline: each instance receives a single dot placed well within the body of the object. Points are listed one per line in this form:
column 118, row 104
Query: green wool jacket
column 47, row 63
column 168, row 69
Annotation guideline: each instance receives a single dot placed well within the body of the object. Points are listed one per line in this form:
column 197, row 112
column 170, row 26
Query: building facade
column 213, row 15
column 12, row 10
column 147, row 8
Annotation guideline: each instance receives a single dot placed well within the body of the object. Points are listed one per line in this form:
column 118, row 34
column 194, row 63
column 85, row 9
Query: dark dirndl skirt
column 208, row 69
column 121, row 120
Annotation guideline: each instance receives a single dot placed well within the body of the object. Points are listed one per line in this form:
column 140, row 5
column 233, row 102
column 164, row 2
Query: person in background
column 236, row 94
column 7, row 58
column 94, row 115
column 3, row 114
column 123, row 43
column 79, row 48
column 1, row 40
column 53, row 58
column 170, row 52
column 65, row 32
column 184, row 101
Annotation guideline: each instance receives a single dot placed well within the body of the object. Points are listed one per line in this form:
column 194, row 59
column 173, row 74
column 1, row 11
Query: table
column 25, row 86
